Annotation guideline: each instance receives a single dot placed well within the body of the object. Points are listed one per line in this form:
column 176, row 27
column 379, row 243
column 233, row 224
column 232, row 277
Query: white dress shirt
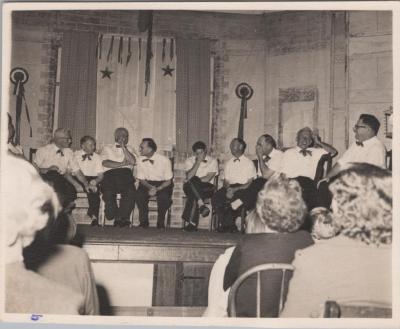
column 114, row 153
column 156, row 168
column 89, row 167
column 239, row 171
column 295, row 164
column 274, row 162
column 373, row 152
column 47, row 156
column 211, row 165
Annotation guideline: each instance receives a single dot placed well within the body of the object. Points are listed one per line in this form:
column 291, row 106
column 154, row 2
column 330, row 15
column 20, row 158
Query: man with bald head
column 56, row 164
column 118, row 162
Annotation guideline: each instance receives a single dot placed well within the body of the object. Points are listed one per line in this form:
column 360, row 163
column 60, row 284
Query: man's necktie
column 60, row 152
column 118, row 146
column 359, row 143
column 236, row 159
column 151, row 161
column 86, row 156
column 305, row 152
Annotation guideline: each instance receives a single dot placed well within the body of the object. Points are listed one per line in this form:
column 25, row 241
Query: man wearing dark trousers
column 269, row 162
column 239, row 172
column 200, row 170
column 154, row 172
column 118, row 160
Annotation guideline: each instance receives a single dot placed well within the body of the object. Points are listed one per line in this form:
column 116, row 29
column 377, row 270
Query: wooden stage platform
column 180, row 264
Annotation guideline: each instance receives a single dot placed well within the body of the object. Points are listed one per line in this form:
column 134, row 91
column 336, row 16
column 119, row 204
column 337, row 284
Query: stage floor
column 153, row 236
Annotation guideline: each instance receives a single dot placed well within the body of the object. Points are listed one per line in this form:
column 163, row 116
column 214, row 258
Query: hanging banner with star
column 121, row 98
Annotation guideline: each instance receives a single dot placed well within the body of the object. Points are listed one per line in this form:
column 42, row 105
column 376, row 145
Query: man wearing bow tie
column 366, row 148
column 301, row 162
column 57, row 165
column 90, row 163
column 118, row 162
column 239, row 172
column 200, row 170
column 154, row 172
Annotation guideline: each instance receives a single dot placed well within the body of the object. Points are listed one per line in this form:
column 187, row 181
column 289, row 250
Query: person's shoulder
column 72, row 253
column 48, row 146
column 78, row 153
column 162, row 157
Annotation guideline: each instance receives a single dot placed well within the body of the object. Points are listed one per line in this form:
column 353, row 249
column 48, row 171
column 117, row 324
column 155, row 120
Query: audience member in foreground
column 322, row 224
column 28, row 205
column 356, row 264
column 280, row 212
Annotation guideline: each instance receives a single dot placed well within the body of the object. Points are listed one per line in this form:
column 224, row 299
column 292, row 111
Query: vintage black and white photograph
column 190, row 163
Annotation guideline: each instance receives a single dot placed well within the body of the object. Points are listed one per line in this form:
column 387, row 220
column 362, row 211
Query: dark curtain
column 77, row 104
column 192, row 93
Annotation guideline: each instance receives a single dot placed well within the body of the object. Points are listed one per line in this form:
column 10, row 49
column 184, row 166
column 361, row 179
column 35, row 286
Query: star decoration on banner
column 106, row 73
column 167, row 70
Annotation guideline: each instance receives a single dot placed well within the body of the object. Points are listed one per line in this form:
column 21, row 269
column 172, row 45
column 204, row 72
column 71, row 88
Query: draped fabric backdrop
column 121, row 100
column 77, row 102
column 192, row 93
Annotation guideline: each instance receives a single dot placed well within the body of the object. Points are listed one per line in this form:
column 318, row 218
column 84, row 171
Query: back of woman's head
column 28, row 202
column 280, row 204
column 362, row 203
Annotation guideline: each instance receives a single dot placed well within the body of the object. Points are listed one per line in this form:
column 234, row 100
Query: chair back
column 258, row 269
column 356, row 309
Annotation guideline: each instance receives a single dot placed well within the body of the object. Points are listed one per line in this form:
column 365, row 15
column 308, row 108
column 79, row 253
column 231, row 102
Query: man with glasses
column 56, row 165
column 366, row 148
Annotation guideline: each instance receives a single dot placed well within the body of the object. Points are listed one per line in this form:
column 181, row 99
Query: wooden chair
column 257, row 270
column 356, row 309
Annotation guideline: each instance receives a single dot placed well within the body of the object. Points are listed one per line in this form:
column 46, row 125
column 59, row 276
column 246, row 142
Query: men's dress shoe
column 144, row 225
column 234, row 229
column 222, row 229
column 117, row 222
column 204, row 210
column 160, row 225
column 190, row 228
column 94, row 222
column 125, row 222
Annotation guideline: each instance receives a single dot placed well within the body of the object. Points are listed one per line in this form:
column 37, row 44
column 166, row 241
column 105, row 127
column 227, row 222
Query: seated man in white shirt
column 154, row 172
column 367, row 148
column 269, row 160
column 301, row 162
column 90, row 163
column 118, row 162
column 56, row 165
column 200, row 170
column 239, row 173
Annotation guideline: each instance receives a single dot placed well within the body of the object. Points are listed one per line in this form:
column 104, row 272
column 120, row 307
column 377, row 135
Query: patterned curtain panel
column 192, row 93
column 122, row 100
column 77, row 102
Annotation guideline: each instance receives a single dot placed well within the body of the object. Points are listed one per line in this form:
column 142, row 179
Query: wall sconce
column 389, row 122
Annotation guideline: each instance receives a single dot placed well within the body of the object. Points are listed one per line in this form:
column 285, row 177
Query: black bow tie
column 305, row 152
column 60, row 152
column 267, row 158
column 151, row 161
column 205, row 161
column 359, row 143
column 118, row 146
column 236, row 159
column 86, row 156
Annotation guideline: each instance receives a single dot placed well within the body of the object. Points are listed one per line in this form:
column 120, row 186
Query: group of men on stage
column 112, row 173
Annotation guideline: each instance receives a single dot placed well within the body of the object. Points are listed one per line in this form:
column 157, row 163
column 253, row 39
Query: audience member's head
column 147, row 147
column 237, row 147
column 28, row 205
column 267, row 143
column 362, row 203
column 121, row 136
column 304, row 138
column 88, row 144
column 322, row 224
column 62, row 138
column 280, row 204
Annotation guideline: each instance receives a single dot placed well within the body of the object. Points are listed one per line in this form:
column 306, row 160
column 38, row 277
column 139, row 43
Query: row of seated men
column 111, row 171
column 347, row 257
